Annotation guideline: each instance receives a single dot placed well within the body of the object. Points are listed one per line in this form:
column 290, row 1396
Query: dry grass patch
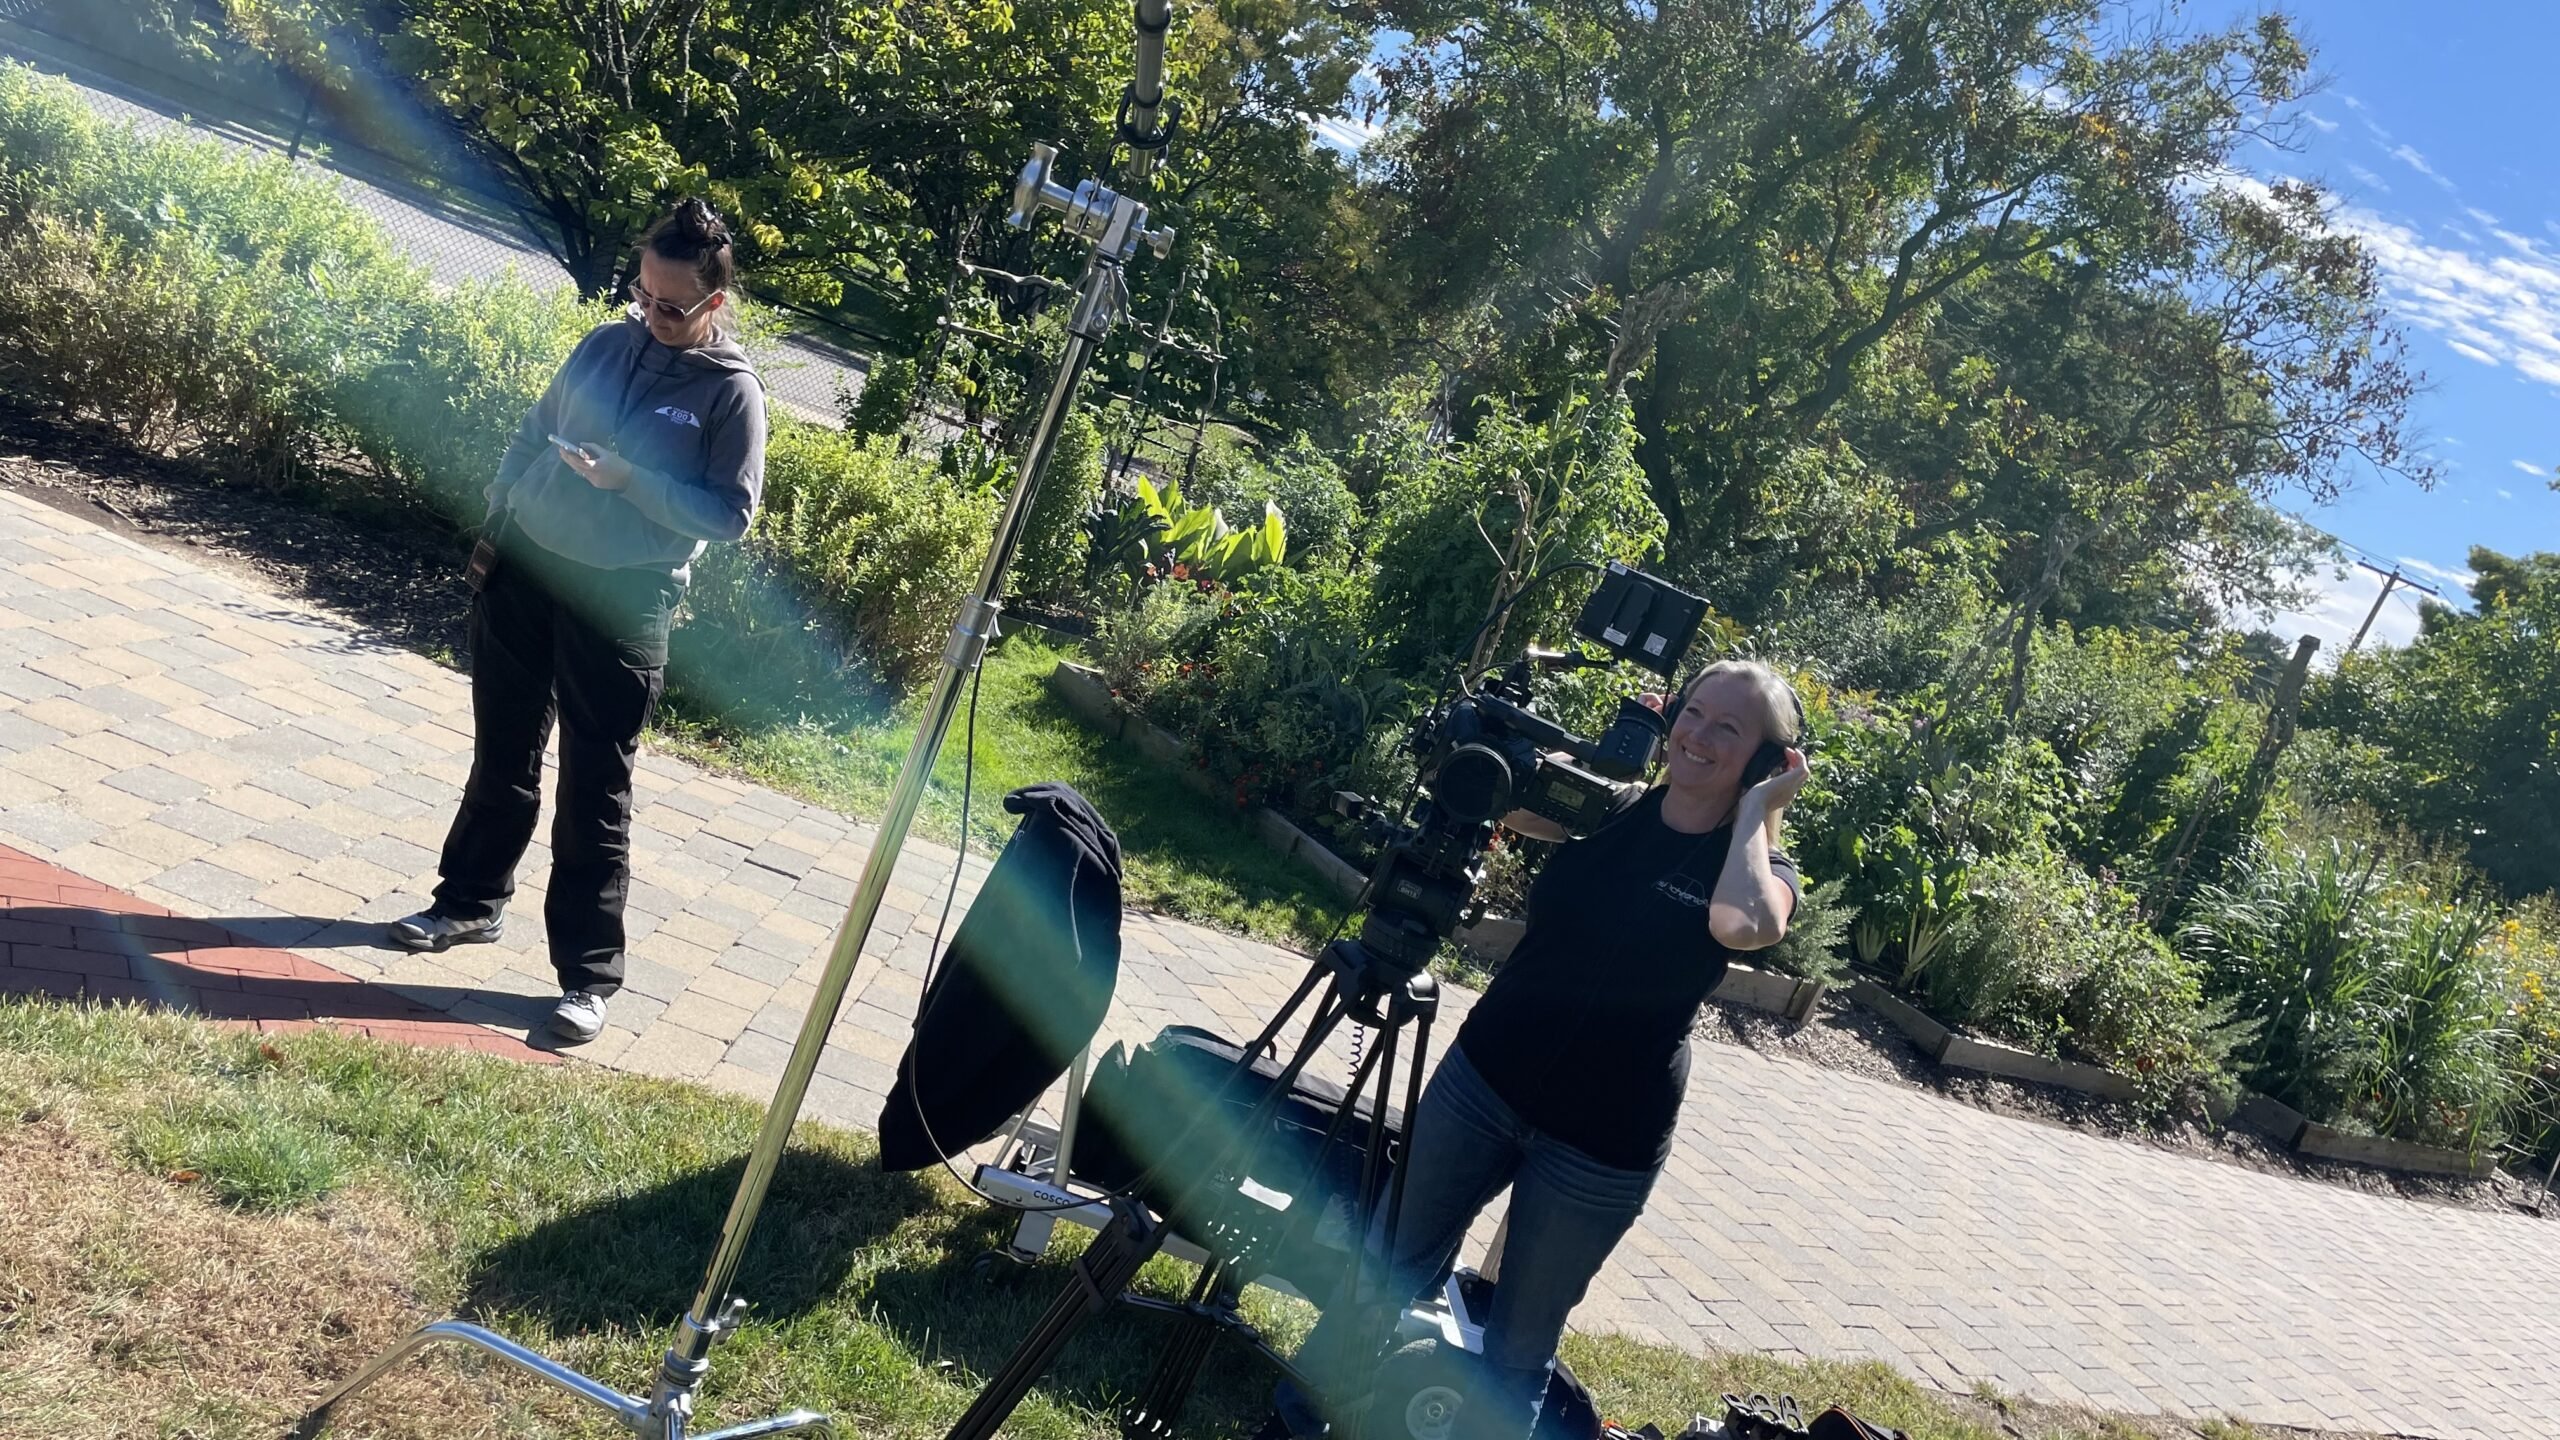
column 132, row 1305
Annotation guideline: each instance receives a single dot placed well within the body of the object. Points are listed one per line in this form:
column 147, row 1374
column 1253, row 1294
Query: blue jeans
column 1568, row 1211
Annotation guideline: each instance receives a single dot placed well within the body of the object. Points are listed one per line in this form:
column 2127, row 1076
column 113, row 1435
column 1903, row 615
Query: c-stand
column 1360, row 987
column 1115, row 226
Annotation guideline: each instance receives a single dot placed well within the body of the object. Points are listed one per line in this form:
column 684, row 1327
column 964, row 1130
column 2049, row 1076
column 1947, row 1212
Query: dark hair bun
column 699, row 224
column 694, row 234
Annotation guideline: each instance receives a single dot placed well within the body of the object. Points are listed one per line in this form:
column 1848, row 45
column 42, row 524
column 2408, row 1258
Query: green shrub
column 881, row 408
column 438, row 413
column 1816, row 937
column 1299, row 480
column 195, row 297
column 856, row 563
column 2013, row 949
column 2291, row 936
column 2043, row 956
column 1145, row 646
column 2379, row 1007
column 2441, row 1050
column 2527, row 948
column 1051, row 558
column 1296, row 687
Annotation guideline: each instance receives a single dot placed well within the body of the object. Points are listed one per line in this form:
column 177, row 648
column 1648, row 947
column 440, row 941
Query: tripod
column 1362, row 986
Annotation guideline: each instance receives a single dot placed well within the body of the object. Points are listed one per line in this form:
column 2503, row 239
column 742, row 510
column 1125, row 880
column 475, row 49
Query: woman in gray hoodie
column 648, row 445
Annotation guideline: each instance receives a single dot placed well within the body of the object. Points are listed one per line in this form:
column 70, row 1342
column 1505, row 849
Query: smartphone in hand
column 572, row 448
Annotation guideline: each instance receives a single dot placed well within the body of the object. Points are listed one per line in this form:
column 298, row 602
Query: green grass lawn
column 1183, row 855
column 208, row 1227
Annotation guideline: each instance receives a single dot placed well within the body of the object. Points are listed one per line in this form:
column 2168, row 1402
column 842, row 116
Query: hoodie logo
column 681, row 417
column 1684, row 887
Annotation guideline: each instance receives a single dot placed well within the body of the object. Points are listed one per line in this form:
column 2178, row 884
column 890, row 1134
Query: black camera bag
column 1170, row 1112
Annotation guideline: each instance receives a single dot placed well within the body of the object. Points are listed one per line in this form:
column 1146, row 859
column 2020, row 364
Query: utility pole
column 2391, row 579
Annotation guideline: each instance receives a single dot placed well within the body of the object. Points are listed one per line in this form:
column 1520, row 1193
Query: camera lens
column 1473, row 784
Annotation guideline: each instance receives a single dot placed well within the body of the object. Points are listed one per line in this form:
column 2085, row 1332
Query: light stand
column 1115, row 227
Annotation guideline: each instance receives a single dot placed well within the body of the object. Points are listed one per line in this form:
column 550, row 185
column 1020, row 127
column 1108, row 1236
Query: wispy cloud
column 2496, row 308
column 2368, row 179
column 2458, row 579
column 2530, row 468
column 2337, row 608
column 2506, row 494
column 2483, row 216
column 2323, row 123
column 2408, row 155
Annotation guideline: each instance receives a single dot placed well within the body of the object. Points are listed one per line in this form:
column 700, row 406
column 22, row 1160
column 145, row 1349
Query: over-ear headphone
column 1771, row 757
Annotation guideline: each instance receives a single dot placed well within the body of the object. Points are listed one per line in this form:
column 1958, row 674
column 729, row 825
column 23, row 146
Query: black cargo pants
column 553, row 638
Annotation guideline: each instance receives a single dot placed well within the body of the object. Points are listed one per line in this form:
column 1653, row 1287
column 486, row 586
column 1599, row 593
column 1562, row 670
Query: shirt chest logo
column 680, row 417
column 1684, row 887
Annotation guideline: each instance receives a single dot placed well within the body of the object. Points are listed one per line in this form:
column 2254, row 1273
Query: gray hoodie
column 691, row 422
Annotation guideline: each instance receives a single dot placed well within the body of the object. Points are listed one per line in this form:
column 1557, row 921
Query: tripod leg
column 1195, row 1332
column 1357, row 1423
column 798, row 1422
column 1104, row 1270
column 631, row 1410
column 1412, row 1117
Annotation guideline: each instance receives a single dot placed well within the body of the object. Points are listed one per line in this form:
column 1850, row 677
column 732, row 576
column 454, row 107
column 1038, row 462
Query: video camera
column 1486, row 752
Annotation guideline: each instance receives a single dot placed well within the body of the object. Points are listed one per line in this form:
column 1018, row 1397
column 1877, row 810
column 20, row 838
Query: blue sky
column 2434, row 128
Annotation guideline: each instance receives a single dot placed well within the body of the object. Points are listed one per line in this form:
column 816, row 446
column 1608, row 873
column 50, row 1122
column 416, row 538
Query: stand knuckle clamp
column 972, row 633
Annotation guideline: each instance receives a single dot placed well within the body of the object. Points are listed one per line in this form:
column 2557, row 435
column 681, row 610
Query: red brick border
column 73, row 938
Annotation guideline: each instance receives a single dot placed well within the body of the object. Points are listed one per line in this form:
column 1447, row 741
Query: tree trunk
column 1653, row 446
column 2021, row 652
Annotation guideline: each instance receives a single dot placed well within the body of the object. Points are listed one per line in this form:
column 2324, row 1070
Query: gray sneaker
column 578, row 1018
column 428, row 930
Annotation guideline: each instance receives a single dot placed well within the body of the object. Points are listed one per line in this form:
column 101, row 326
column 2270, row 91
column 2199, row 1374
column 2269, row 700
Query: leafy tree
column 855, row 143
column 1459, row 544
column 1750, row 214
column 2468, row 715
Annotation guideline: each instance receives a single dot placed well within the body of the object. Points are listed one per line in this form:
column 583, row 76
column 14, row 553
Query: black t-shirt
column 1585, row 1031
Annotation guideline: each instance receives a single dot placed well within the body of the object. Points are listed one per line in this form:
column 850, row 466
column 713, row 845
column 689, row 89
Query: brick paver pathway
column 231, row 757
column 73, row 939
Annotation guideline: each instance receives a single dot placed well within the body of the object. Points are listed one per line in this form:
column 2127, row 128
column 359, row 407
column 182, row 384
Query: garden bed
column 1845, row 1036
column 2279, row 1124
column 1964, row 1052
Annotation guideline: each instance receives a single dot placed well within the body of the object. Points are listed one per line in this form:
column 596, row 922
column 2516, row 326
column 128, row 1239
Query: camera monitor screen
column 1639, row 618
